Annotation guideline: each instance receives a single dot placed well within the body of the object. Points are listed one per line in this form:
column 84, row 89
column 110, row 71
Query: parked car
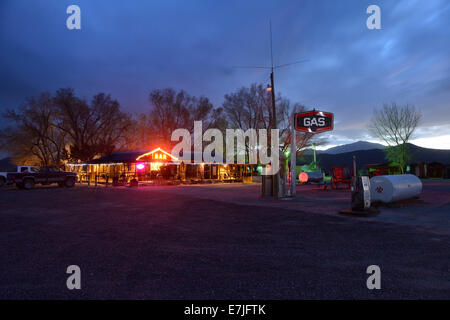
column 45, row 176
column 4, row 175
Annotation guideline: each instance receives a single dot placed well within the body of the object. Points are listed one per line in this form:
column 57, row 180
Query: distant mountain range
column 372, row 156
column 355, row 146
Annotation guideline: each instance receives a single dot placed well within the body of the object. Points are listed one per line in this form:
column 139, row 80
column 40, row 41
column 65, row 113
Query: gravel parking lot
column 218, row 242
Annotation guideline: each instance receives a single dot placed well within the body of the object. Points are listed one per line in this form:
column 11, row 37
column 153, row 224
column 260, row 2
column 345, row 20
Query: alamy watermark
column 74, row 280
column 249, row 147
column 74, row 20
column 374, row 20
column 374, row 280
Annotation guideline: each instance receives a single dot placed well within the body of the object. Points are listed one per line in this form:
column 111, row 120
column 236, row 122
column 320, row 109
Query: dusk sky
column 127, row 48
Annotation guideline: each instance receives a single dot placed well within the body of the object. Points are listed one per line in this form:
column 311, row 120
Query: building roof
column 144, row 156
column 115, row 157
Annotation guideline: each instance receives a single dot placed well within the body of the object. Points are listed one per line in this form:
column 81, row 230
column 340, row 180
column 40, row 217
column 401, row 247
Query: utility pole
column 315, row 158
column 293, row 168
column 276, row 176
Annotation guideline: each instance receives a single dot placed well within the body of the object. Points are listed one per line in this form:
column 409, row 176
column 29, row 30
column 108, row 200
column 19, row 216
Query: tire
column 2, row 181
column 134, row 183
column 69, row 183
column 28, row 184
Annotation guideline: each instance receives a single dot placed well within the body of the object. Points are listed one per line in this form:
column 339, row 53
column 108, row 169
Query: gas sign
column 314, row 121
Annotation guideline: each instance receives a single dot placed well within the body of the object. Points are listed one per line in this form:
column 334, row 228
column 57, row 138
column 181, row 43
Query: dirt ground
column 219, row 242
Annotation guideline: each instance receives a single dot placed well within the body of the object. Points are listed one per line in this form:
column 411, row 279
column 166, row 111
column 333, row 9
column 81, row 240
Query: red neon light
column 303, row 177
column 140, row 166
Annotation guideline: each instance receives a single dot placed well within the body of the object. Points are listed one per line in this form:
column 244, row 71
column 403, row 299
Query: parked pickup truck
column 19, row 169
column 44, row 175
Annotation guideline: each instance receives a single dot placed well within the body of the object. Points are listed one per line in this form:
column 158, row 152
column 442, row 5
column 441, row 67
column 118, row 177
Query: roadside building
column 158, row 166
column 431, row 170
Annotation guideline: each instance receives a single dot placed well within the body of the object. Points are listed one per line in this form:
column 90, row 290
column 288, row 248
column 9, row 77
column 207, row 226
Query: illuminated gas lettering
column 318, row 122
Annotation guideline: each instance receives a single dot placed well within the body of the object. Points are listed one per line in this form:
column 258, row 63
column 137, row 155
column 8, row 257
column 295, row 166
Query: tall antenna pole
column 271, row 52
column 273, row 118
column 275, row 177
column 315, row 161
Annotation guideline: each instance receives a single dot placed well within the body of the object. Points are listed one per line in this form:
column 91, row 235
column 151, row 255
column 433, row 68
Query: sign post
column 311, row 122
column 293, row 160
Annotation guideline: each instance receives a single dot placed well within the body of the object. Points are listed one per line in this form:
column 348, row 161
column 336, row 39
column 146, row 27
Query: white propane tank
column 394, row 187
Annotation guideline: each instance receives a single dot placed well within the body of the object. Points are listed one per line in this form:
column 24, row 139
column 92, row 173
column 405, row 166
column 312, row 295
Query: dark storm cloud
column 129, row 48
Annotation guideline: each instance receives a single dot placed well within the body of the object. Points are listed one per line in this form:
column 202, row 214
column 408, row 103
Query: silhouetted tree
column 139, row 136
column 32, row 135
column 395, row 125
column 171, row 110
column 95, row 129
column 251, row 108
column 49, row 130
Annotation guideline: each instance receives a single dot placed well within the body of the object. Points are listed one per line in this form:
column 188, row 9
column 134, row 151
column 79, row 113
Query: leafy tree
column 398, row 155
column 395, row 125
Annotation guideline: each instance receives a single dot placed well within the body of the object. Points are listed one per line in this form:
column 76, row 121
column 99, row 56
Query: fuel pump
column 360, row 201
column 361, row 194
